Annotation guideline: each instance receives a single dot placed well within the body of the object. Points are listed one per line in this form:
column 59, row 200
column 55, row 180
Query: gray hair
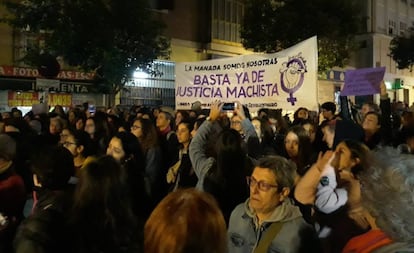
column 283, row 169
column 388, row 192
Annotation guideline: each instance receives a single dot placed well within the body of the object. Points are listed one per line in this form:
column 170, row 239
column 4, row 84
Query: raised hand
column 215, row 110
column 325, row 159
column 238, row 110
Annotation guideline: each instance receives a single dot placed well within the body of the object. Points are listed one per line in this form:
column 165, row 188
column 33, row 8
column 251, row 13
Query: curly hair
column 388, row 190
column 149, row 138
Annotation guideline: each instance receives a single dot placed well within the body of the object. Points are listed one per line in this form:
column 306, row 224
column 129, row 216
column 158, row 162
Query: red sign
column 22, row 98
column 29, row 72
column 55, row 99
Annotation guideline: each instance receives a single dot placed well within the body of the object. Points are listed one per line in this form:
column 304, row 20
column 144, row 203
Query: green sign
column 398, row 84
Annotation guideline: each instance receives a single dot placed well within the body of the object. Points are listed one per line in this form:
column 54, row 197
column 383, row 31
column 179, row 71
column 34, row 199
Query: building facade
column 22, row 85
column 209, row 29
column 199, row 30
column 386, row 19
column 198, row 34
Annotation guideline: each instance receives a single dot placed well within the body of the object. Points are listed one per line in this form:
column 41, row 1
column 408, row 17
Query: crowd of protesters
column 208, row 180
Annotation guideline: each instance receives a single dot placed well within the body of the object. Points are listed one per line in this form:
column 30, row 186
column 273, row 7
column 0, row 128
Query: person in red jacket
column 12, row 193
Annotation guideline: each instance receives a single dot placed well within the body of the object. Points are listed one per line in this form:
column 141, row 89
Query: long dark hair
column 82, row 138
column 101, row 127
column 226, row 180
column 149, row 138
column 134, row 164
column 305, row 156
column 102, row 214
column 358, row 150
column 133, row 153
column 229, row 155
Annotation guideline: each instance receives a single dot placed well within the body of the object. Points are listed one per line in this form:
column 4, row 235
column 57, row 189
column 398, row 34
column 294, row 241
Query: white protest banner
column 286, row 79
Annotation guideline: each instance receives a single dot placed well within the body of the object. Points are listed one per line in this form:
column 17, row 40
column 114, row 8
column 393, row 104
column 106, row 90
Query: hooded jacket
column 296, row 235
column 346, row 129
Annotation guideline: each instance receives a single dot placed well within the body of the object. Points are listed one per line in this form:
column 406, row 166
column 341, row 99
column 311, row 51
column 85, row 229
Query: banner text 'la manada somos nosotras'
column 286, row 79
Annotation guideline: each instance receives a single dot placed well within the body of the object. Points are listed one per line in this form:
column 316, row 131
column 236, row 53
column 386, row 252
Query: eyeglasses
column 135, row 127
column 261, row 185
column 235, row 122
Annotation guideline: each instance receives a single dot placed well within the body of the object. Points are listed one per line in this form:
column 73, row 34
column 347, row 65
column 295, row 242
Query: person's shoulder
column 10, row 179
column 396, row 247
column 299, row 223
column 46, row 228
column 239, row 219
column 240, row 208
column 41, row 223
column 171, row 134
column 297, row 235
column 239, row 211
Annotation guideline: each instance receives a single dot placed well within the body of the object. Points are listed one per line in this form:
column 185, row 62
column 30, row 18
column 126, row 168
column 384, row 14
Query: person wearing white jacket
column 332, row 187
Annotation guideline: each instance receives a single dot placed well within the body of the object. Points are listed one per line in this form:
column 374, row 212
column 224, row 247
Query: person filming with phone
column 222, row 173
column 238, row 117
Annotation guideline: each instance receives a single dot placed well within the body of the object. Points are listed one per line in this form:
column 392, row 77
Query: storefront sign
column 58, row 86
column 64, row 100
column 30, row 72
column 74, row 88
column 44, row 84
column 16, row 98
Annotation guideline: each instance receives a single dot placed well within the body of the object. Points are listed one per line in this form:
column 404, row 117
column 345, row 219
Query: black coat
column 45, row 230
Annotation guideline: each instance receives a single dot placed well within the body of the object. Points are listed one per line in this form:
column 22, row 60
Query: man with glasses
column 269, row 221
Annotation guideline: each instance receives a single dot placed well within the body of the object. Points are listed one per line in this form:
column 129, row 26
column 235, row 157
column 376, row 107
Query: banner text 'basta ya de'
column 286, row 79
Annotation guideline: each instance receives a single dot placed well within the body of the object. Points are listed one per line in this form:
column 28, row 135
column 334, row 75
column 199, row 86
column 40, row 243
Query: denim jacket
column 244, row 234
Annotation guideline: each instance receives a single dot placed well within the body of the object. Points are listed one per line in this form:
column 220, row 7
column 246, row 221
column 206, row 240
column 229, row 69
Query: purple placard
column 360, row 82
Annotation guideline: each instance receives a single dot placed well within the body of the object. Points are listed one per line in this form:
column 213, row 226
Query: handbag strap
column 268, row 237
